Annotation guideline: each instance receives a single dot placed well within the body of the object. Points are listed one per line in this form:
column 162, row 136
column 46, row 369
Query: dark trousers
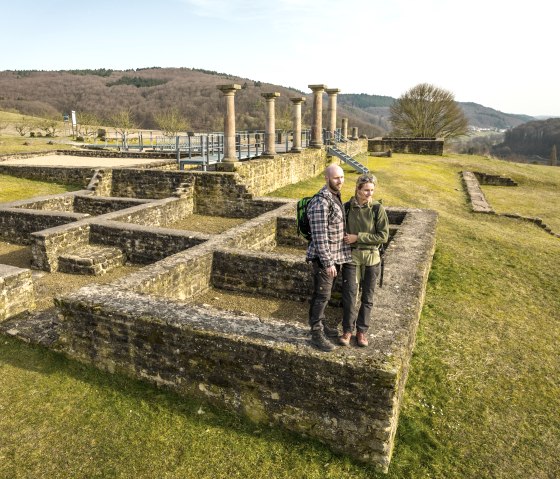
column 352, row 319
column 322, row 288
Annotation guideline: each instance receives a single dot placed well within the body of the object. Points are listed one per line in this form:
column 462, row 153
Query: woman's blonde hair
column 362, row 180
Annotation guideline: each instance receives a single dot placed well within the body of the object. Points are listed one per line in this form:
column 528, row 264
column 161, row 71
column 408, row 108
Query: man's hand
column 349, row 238
column 331, row 271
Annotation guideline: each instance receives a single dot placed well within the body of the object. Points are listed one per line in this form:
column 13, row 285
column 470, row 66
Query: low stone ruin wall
column 261, row 176
column 48, row 244
column 17, row 225
column 101, row 205
column 479, row 204
column 259, row 367
column 67, row 175
column 16, row 291
column 494, row 180
column 143, row 244
column 419, row 146
column 268, row 274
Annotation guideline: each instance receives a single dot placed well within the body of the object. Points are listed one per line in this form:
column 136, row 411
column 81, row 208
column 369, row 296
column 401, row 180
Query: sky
column 491, row 52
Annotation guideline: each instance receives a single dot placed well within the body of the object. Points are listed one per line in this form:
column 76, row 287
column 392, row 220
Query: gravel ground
column 206, row 224
column 83, row 161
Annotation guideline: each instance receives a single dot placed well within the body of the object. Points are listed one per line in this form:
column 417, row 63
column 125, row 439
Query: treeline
column 535, row 138
column 150, row 92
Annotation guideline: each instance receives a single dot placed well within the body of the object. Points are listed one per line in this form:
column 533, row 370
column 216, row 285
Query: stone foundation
column 419, row 146
column 91, row 260
column 259, row 367
column 16, row 291
column 148, row 324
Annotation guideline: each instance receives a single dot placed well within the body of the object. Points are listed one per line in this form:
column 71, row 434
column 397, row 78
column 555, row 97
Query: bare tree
column 49, row 125
column 428, row 111
column 23, row 126
column 171, row 122
column 553, row 156
column 123, row 122
column 88, row 123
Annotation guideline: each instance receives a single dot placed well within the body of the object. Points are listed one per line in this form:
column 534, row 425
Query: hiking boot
column 320, row 341
column 344, row 340
column 361, row 339
column 330, row 332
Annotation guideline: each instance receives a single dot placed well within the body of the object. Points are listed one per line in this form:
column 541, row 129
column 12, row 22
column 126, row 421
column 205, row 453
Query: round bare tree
column 426, row 111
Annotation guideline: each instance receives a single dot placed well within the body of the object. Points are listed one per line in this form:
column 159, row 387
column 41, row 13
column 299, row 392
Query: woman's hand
column 350, row 238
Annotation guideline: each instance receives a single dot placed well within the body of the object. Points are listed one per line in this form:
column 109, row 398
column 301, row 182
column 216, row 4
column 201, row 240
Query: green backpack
column 303, row 227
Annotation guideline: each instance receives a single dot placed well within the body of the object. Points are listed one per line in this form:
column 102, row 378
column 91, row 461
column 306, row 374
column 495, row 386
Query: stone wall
column 261, row 176
column 62, row 202
column 143, row 244
column 17, row 225
column 147, row 183
column 257, row 366
column 494, row 180
column 260, row 368
column 268, row 274
column 67, row 175
column 420, row 146
column 16, row 291
column 156, row 213
column 47, row 245
column 98, row 205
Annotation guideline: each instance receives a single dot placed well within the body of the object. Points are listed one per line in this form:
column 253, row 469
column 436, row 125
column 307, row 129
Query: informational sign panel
column 73, row 119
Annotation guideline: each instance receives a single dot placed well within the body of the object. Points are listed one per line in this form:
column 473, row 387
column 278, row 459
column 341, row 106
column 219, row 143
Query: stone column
column 229, row 122
column 332, row 92
column 354, row 133
column 317, row 125
column 270, row 124
column 344, row 127
column 296, row 144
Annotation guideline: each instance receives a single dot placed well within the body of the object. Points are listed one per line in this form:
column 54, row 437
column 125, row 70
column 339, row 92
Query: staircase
column 91, row 259
column 347, row 159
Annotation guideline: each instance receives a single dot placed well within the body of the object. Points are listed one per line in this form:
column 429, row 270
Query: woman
column 367, row 226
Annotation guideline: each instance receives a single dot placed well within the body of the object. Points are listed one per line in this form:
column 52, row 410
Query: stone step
column 92, row 259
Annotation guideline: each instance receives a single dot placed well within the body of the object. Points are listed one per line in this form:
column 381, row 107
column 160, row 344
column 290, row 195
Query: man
column 327, row 252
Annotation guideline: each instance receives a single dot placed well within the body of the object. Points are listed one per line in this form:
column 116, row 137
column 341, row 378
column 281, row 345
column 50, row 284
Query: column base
column 295, row 150
column 227, row 166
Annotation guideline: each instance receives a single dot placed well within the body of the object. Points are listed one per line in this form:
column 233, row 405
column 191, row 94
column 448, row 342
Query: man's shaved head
column 334, row 176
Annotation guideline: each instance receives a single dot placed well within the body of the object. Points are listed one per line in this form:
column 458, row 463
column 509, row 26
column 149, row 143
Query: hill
column 148, row 91
column 533, row 140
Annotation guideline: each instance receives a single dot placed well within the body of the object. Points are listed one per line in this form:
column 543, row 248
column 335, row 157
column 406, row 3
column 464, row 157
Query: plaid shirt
column 326, row 219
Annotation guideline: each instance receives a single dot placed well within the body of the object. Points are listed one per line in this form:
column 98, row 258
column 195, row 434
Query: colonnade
column 316, row 140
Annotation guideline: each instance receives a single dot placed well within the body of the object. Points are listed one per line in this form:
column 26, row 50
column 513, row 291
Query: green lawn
column 12, row 188
column 483, row 393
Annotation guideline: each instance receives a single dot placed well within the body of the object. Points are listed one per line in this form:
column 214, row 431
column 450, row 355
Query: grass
column 12, row 188
column 483, row 392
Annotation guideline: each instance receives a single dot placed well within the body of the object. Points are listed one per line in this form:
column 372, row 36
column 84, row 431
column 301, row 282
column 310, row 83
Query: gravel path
column 81, row 161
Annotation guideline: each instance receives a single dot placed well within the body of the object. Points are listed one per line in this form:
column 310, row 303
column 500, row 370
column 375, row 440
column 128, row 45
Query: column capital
column 270, row 95
column 332, row 91
column 230, row 88
column 297, row 99
column 317, row 87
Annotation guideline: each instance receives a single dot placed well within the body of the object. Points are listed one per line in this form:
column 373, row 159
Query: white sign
column 73, row 118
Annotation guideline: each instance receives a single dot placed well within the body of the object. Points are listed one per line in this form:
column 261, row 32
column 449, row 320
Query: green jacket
column 360, row 220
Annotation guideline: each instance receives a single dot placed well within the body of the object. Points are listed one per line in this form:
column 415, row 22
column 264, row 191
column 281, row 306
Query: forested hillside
column 535, row 138
column 149, row 91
